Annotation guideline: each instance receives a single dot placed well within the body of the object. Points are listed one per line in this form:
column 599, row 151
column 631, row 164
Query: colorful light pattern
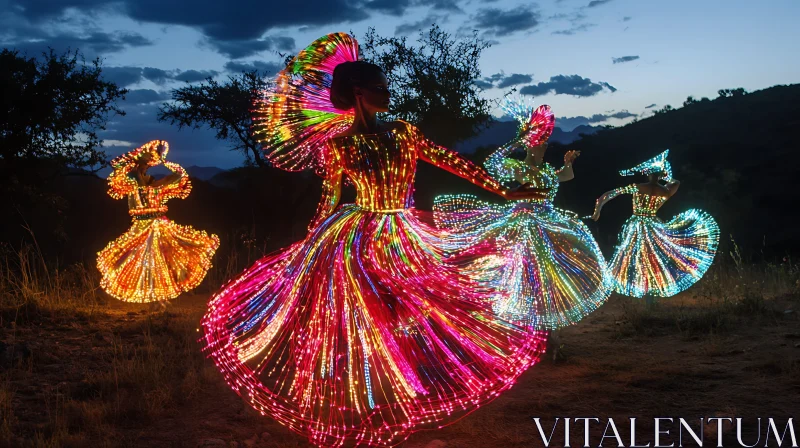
column 363, row 333
column 661, row 259
column 294, row 119
column 546, row 266
column 155, row 259
column 535, row 128
column 657, row 164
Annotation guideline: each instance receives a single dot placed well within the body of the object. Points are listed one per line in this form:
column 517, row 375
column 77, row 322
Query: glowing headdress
column 157, row 149
column 294, row 119
column 657, row 164
column 535, row 126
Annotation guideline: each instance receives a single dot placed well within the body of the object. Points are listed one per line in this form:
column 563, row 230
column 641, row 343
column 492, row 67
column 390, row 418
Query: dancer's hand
column 570, row 157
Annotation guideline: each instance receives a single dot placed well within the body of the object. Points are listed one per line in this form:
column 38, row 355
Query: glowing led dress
column 156, row 259
column 547, row 268
column 657, row 258
column 362, row 332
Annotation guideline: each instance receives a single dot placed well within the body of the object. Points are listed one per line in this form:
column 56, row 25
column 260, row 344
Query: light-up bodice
column 544, row 176
column 643, row 204
column 381, row 166
column 647, row 205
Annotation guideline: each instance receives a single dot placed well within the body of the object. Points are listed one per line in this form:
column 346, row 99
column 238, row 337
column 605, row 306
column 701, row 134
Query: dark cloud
column 91, row 45
column 122, row 76
column 391, row 7
column 608, row 86
column 624, row 59
column 483, row 84
column 126, row 75
column 246, row 19
column 270, row 68
column 499, row 22
column 575, row 29
column 513, row 80
column 144, row 96
column 595, row 3
column 446, row 5
column 567, row 85
column 405, row 29
column 502, row 81
column 156, row 75
column 570, row 123
column 623, row 114
column 651, row 106
column 237, row 49
column 195, row 75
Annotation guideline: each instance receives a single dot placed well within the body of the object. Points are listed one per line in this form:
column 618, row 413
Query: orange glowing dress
column 155, row 259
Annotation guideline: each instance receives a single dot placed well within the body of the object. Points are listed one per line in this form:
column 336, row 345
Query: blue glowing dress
column 547, row 268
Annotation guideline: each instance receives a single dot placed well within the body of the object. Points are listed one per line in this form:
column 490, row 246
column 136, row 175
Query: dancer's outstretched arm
column 609, row 195
column 450, row 161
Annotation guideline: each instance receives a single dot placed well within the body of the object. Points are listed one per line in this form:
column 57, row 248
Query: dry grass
column 81, row 370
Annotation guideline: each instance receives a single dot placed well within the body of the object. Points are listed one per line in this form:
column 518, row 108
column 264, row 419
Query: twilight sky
column 594, row 61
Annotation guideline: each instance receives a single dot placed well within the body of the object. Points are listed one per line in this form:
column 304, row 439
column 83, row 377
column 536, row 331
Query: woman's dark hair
column 348, row 75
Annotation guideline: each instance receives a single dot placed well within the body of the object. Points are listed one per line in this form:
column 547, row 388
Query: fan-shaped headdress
column 294, row 118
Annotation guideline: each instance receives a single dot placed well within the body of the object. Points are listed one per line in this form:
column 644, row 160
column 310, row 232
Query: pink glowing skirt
column 362, row 333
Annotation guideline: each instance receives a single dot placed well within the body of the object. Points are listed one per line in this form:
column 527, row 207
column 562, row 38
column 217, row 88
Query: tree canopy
column 433, row 82
column 53, row 108
column 225, row 107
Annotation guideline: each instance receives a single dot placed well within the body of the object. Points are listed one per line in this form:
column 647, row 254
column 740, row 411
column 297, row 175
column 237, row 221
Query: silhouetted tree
column 53, row 108
column 728, row 93
column 433, row 82
column 689, row 100
column 663, row 110
column 225, row 107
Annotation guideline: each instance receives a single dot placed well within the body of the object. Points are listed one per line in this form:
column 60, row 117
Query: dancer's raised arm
column 566, row 173
column 452, row 162
column 672, row 186
column 176, row 184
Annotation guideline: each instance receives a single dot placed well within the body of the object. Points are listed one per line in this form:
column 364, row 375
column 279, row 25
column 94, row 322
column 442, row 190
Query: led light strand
column 546, row 266
column 362, row 332
column 155, row 259
column 657, row 258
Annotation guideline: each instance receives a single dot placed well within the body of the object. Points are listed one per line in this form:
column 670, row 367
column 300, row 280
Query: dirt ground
column 121, row 376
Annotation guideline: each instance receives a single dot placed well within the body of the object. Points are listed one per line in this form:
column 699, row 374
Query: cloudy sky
column 593, row 61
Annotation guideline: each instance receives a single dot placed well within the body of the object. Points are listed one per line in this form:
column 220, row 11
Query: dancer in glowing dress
column 156, row 259
column 362, row 332
column 548, row 270
column 656, row 258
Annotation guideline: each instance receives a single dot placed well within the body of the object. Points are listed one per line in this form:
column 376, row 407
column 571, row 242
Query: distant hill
column 500, row 132
column 737, row 158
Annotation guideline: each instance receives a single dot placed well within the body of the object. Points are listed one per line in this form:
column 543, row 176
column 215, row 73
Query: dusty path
column 124, row 377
